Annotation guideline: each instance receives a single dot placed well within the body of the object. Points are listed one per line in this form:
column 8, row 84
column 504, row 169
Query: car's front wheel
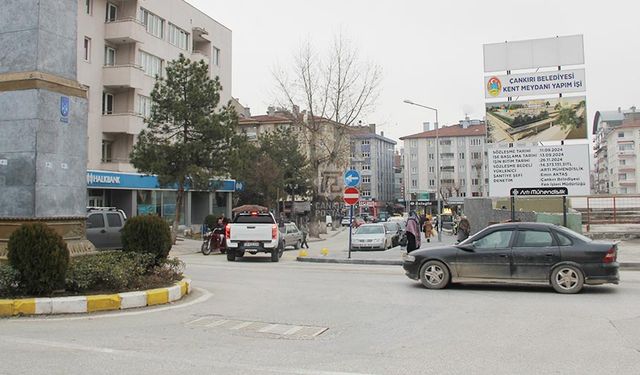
column 434, row 275
column 567, row 279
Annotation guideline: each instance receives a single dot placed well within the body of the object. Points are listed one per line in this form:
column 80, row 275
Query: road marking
column 217, row 323
column 270, row 328
column 204, row 297
column 242, row 325
column 289, row 331
column 293, row 330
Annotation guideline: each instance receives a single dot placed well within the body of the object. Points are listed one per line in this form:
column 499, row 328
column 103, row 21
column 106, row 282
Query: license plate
column 256, row 244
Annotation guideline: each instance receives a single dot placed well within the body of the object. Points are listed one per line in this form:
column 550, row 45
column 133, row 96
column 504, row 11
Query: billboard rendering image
column 537, row 120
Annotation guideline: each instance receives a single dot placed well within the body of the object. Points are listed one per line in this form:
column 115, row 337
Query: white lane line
column 293, row 330
column 204, row 297
column 269, row 328
column 216, row 323
column 242, row 325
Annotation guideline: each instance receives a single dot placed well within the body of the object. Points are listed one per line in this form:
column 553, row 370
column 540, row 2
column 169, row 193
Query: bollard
column 302, row 253
column 324, row 251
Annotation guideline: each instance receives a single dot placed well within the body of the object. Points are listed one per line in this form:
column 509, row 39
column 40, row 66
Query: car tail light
column 610, row 257
column 274, row 231
column 227, row 231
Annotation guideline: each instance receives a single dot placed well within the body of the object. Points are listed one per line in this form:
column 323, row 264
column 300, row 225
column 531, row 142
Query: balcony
column 127, row 123
column 123, row 31
column 627, row 183
column 121, row 76
column 198, row 55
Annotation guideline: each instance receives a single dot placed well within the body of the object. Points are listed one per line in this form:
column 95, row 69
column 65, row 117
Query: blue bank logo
column 64, row 108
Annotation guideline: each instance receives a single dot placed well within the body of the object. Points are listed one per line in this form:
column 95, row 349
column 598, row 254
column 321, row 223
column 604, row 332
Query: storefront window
column 219, row 204
column 169, row 206
column 148, row 202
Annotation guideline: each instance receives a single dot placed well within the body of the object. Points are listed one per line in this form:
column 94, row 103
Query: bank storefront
column 139, row 194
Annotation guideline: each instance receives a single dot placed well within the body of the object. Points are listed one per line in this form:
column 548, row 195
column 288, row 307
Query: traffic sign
column 351, row 178
column 351, row 196
column 544, row 191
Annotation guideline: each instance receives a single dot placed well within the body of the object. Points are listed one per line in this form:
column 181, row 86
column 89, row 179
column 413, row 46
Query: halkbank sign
column 540, row 83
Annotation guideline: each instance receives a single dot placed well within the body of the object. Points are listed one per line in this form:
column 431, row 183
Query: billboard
column 542, row 167
column 537, row 120
column 534, row 53
column 540, row 83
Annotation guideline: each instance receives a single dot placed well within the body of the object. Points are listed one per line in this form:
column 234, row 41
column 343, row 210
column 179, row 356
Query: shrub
column 8, row 280
column 210, row 221
column 113, row 271
column 147, row 234
column 41, row 257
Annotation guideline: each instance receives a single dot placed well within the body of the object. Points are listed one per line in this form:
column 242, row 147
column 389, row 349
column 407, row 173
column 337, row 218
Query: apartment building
column 373, row 155
column 398, row 179
column 122, row 46
column 616, row 146
column 462, row 163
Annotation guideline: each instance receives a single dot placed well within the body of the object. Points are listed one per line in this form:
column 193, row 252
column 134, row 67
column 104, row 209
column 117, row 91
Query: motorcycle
column 213, row 241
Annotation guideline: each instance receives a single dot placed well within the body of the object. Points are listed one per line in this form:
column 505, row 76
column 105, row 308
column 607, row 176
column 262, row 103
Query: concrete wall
column 481, row 214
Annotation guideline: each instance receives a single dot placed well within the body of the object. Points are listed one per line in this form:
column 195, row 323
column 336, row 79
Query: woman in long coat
column 413, row 232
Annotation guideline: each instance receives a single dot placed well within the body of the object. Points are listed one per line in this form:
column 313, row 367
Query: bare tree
column 333, row 91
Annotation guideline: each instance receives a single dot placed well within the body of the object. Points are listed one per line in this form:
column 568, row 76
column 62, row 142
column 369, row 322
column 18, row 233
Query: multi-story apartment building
column 398, row 177
column 462, row 162
column 373, row 155
column 122, row 46
column 616, row 146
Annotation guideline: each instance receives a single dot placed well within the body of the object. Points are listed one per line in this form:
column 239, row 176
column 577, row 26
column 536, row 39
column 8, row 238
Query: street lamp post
column 437, row 166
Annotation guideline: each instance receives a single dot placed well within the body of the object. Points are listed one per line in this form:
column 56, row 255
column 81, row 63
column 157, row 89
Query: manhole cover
column 282, row 330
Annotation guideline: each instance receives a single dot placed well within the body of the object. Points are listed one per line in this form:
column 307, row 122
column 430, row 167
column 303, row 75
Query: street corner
column 95, row 303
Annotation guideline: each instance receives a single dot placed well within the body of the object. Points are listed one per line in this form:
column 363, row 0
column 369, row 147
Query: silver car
column 104, row 225
column 372, row 237
column 292, row 235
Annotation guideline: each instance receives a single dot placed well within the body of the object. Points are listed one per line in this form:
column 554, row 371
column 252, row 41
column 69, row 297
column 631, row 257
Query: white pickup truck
column 253, row 232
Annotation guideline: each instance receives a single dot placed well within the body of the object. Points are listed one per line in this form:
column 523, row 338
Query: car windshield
column 372, row 229
column 570, row 233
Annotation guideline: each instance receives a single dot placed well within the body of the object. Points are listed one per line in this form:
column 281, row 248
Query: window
column 476, row 155
column 366, row 167
column 414, row 170
column 109, row 56
column 215, row 58
column 87, row 49
column 461, row 155
column 414, row 183
column 625, row 147
column 447, row 155
column 107, row 103
column 95, row 221
column 178, row 37
column 432, row 169
column 366, row 193
column 563, row 240
column 475, row 142
column 114, row 220
column 144, row 105
column 462, row 168
column 623, row 161
column 462, row 142
column 534, row 238
column 414, row 157
column 475, row 182
column 414, row 143
column 620, row 134
column 430, row 156
column 495, row 240
column 153, row 23
column 106, row 151
column 445, row 142
column 112, row 13
column 432, row 182
column 366, row 179
column 365, row 155
column 463, row 182
column 151, row 65
column 622, row 176
column 88, row 6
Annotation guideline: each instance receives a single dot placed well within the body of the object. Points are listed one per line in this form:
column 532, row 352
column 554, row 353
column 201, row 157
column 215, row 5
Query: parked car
column 371, row 237
column 345, row 221
column 394, row 228
column 519, row 253
column 104, row 226
column 357, row 222
column 292, row 236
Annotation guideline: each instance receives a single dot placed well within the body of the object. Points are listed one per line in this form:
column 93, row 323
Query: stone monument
column 43, row 121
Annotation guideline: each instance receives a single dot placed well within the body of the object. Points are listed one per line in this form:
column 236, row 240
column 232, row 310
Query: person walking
column 413, row 232
column 428, row 229
column 464, row 228
column 305, row 233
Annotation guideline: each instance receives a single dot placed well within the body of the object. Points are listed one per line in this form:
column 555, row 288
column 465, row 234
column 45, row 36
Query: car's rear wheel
column 567, row 279
column 231, row 255
column 434, row 275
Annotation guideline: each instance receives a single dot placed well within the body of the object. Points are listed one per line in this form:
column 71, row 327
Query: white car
column 372, row 237
column 345, row 221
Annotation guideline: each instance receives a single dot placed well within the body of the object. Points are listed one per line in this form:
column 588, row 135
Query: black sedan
column 518, row 253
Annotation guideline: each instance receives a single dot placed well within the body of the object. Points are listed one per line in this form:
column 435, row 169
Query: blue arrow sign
column 351, row 178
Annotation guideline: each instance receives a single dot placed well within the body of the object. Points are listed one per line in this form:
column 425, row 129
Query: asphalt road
column 258, row 317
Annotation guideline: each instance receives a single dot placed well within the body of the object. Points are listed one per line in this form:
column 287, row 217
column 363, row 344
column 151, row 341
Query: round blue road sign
column 351, row 178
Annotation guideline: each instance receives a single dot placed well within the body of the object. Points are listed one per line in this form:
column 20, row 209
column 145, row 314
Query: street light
column 407, row 101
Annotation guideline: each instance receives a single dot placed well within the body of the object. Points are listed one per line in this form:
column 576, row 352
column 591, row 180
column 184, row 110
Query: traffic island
column 95, row 303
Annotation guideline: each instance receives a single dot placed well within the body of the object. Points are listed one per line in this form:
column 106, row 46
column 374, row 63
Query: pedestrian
column 413, row 232
column 305, row 233
column 464, row 228
column 428, row 230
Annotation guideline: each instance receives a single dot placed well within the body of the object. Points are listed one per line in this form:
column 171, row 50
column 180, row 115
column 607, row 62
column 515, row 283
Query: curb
column 94, row 303
column 628, row 266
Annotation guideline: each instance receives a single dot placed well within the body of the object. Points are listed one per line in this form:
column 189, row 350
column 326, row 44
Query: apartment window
column 88, row 6
column 107, row 147
column 366, row 167
column 620, row 134
column 463, row 182
column 461, row 155
column 153, row 23
column 476, row 155
column 623, row 161
column 144, row 105
column 152, row 65
column 414, row 143
column 414, row 170
column 475, row 181
column 432, row 182
column 178, row 37
column 87, row 49
column 414, row 157
column 109, row 56
column 107, row 103
column 365, row 142
column 365, row 155
column 447, row 155
column 461, row 141
column 414, row 183
column 476, row 142
column 445, row 142
column 112, row 13
column 622, row 176
column 623, row 190
column 366, row 179
column 432, row 169
column 366, row 193
column 462, row 168
column 215, row 58
column 430, row 156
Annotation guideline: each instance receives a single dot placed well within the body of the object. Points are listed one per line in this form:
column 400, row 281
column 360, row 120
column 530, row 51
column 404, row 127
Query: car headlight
column 409, row 258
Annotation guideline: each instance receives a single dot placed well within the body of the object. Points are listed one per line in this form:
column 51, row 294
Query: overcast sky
column 430, row 52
